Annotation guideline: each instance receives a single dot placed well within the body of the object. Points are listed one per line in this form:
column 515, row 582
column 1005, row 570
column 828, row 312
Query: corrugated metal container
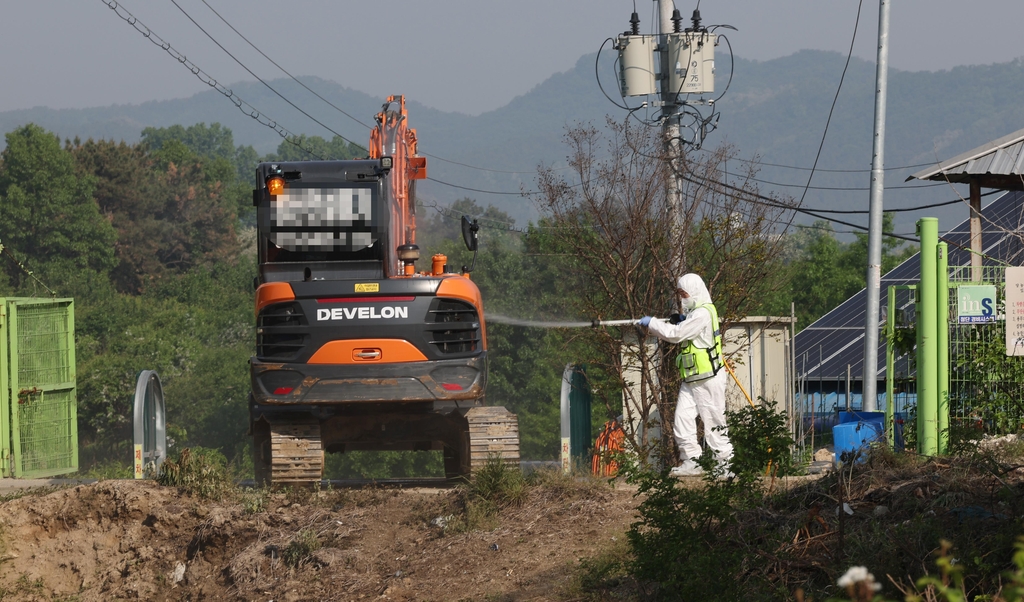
column 38, row 404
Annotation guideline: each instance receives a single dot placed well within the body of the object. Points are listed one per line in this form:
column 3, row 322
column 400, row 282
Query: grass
column 300, row 548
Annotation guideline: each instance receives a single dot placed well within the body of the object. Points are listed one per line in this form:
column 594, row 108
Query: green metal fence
column 986, row 387
column 37, row 385
column 901, row 368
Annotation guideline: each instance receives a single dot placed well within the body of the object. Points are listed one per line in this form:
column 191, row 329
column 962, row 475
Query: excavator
column 355, row 348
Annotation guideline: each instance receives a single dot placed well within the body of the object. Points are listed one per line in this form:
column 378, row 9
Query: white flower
column 855, row 575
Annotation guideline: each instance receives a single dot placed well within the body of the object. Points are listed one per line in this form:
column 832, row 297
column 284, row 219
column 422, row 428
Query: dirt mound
column 138, row 540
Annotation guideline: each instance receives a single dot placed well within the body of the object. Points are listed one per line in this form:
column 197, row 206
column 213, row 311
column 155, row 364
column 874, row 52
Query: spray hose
column 600, row 323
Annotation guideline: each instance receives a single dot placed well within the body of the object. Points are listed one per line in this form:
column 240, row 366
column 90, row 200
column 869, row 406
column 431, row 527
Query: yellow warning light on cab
column 275, row 186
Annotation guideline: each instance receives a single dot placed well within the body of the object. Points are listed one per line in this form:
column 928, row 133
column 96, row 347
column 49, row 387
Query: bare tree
column 627, row 241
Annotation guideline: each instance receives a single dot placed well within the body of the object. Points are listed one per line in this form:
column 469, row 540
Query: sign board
column 1014, row 311
column 976, row 304
column 139, row 473
column 566, row 457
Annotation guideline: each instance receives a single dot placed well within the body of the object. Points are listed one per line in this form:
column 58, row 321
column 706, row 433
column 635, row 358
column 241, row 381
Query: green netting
column 40, row 347
column 986, row 387
column 43, row 351
column 46, row 432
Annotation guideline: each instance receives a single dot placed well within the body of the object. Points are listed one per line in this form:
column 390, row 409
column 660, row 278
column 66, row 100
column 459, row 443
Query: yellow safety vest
column 698, row 363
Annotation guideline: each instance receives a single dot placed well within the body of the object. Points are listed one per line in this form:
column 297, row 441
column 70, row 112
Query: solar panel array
column 826, row 347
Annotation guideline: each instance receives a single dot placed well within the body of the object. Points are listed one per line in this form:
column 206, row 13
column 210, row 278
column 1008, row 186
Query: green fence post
column 890, row 365
column 942, row 346
column 927, row 356
column 6, row 435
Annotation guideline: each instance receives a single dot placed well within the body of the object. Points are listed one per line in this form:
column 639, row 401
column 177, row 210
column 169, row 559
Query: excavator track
column 493, row 433
column 296, row 453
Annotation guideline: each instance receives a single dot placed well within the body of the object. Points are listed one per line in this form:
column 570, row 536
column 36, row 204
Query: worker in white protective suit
column 700, row 366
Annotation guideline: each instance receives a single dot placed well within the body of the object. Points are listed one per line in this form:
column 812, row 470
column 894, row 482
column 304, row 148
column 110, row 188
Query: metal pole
column 670, row 132
column 874, row 275
column 849, row 407
column 976, row 247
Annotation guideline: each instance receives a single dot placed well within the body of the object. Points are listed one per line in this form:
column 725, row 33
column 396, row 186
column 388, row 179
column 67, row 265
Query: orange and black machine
column 355, row 348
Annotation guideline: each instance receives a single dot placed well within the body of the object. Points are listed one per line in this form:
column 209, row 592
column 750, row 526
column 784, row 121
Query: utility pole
column 670, row 132
column 874, row 273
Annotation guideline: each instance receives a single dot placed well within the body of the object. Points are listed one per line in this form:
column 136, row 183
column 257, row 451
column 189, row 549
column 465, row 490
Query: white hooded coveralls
column 705, row 397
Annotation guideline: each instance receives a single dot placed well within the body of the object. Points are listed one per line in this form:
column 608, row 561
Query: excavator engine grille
column 273, row 341
column 455, row 327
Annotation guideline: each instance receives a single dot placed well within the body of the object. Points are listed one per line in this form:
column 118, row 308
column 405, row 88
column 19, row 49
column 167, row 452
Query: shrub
column 197, row 471
column 499, row 483
column 761, row 441
column 677, row 541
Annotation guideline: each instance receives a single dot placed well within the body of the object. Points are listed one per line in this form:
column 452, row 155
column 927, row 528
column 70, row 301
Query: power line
column 285, row 71
column 258, row 78
column 754, row 162
column 825, row 229
column 240, row 104
column 763, row 200
column 834, row 188
column 902, row 209
column 251, row 111
column 856, row 25
column 329, row 103
column 521, row 193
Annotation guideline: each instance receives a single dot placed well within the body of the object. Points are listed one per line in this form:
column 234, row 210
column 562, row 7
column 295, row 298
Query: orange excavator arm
column 393, row 137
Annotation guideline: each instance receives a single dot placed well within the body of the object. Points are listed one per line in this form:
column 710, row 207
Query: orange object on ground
column 610, row 441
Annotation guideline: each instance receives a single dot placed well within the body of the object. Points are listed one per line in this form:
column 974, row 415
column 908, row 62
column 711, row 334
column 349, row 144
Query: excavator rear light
column 283, row 390
column 451, row 387
column 275, row 186
column 386, row 162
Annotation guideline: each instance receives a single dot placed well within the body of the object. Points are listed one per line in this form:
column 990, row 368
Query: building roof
column 997, row 164
column 826, row 347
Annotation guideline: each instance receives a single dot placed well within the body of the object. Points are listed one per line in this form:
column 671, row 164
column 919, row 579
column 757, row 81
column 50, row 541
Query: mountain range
column 773, row 112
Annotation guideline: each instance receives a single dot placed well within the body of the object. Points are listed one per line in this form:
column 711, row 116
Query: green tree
column 48, row 213
column 293, row 149
column 214, row 140
column 214, row 145
column 170, row 213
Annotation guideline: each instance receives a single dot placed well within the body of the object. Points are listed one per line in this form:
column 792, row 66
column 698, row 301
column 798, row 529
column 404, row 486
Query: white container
column 636, row 65
column 692, row 62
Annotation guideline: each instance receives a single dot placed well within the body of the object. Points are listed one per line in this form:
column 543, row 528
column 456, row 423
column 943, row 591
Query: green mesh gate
column 37, row 377
column 986, row 387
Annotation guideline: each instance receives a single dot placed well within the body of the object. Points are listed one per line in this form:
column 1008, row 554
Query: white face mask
column 688, row 303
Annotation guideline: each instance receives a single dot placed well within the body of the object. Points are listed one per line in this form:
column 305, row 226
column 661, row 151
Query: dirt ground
column 138, row 540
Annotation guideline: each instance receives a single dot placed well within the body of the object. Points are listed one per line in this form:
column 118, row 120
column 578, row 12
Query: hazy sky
column 456, row 55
